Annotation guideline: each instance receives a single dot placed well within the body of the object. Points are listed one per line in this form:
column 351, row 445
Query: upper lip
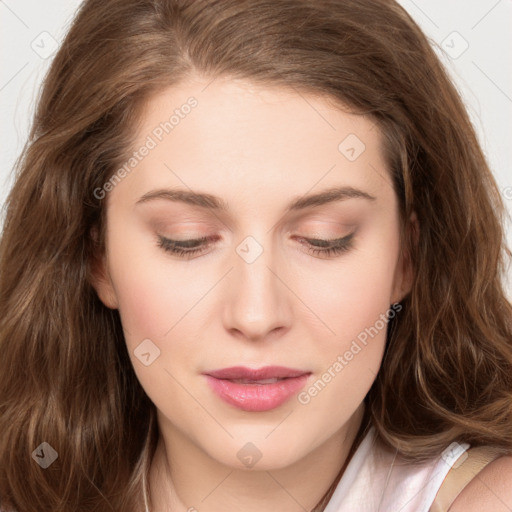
column 266, row 372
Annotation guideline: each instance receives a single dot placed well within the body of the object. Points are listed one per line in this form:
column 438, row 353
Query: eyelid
column 327, row 240
column 327, row 248
column 321, row 226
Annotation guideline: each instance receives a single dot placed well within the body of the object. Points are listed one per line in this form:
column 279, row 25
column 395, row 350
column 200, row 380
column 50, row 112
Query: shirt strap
column 465, row 468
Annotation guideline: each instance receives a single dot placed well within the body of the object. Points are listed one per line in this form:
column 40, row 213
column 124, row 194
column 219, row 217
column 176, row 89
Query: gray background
column 473, row 38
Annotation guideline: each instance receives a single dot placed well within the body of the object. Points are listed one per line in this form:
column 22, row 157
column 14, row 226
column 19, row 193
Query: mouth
column 256, row 390
column 262, row 381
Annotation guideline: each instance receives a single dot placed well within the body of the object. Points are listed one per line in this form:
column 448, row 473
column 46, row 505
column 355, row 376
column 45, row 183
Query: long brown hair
column 65, row 375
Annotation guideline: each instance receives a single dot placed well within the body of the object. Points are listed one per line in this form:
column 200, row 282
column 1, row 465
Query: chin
column 255, row 453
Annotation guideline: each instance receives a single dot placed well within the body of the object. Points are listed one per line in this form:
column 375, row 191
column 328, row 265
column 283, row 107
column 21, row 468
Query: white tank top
column 378, row 480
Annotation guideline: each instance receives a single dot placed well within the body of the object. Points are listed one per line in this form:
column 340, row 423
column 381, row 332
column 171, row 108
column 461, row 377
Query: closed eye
column 188, row 248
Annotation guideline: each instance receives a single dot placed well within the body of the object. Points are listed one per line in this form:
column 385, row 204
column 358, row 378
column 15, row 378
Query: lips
column 267, row 372
column 256, row 390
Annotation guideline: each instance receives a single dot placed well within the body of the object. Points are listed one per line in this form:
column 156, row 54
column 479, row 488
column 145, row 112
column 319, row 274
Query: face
column 259, row 270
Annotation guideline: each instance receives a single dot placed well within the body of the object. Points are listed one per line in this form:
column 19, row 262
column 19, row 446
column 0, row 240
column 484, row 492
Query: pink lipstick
column 256, row 390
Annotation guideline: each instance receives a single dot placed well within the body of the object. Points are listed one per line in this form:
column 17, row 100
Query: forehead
column 226, row 134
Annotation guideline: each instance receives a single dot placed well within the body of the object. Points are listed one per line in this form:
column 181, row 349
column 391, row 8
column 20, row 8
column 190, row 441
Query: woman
column 252, row 262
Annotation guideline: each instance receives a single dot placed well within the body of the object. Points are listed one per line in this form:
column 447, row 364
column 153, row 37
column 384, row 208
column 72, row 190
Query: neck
column 183, row 478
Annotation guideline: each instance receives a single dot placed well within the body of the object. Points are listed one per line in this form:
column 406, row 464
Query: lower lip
column 256, row 397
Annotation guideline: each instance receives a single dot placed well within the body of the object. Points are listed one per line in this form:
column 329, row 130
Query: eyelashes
column 184, row 247
column 329, row 247
column 187, row 248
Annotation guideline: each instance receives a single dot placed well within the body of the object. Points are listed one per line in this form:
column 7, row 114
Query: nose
column 258, row 298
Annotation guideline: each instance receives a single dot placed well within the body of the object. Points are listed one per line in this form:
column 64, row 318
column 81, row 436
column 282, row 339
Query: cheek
column 159, row 300
column 354, row 303
column 347, row 294
column 350, row 296
column 148, row 295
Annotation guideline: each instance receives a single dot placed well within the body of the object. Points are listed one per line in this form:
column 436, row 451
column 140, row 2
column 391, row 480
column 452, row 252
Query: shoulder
column 490, row 489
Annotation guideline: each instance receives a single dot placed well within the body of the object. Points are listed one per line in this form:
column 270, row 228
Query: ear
column 404, row 272
column 99, row 275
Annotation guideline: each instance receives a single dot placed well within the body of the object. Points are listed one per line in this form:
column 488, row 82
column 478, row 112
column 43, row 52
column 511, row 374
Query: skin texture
column 257, row 149
column 491, row 489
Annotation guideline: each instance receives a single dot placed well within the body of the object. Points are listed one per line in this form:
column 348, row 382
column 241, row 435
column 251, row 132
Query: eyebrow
column 212, row 202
